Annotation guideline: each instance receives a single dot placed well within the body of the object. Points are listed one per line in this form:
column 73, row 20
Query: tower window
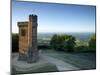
column 23, row 33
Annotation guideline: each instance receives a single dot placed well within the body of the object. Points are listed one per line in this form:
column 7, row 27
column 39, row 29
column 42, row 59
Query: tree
column 63, row 42
column 53, row 41
column 71, row 43
column 92, row 43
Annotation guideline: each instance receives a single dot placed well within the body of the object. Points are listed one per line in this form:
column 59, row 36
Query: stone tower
column 28, row 40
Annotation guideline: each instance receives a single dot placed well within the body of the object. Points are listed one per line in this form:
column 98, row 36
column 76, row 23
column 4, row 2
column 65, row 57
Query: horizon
column 55, row 18
column 58, row 32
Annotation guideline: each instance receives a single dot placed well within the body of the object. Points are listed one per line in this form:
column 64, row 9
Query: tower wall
column 33, row 52
column 33, row 31
column 28, row 41
column 23, row 37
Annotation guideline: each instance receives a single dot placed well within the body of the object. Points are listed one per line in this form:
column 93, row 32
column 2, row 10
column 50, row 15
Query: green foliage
column 63, row 42
column 90, row 46
column 81, row 42
column 82, row 48
column 53, row 41
column 14, row 42
column 92, row 43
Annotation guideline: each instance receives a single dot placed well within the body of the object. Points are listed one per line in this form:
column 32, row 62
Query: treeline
column 92, row 43
column 68, row 43
column 64, row 42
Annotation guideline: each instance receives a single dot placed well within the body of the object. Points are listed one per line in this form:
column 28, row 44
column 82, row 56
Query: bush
column 91, row 47
column 82, row 49
column 92, row 43
column 63, row 42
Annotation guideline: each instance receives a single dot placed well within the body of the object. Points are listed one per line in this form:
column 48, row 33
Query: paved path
column 23, row 66
column 61, row 65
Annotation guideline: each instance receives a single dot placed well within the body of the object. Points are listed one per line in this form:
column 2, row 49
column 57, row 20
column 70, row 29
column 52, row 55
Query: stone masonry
column 28, row 40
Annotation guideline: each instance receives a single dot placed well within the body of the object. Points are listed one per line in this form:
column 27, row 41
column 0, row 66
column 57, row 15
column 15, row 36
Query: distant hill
column 81, row 35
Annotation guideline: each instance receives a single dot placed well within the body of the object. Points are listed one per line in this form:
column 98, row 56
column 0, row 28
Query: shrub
column 63, row 42
column 92, row 43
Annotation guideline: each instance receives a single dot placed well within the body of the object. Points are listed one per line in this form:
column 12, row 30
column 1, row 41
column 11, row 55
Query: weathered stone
column 33, row 55
column 22, row 57
column 28, row 40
